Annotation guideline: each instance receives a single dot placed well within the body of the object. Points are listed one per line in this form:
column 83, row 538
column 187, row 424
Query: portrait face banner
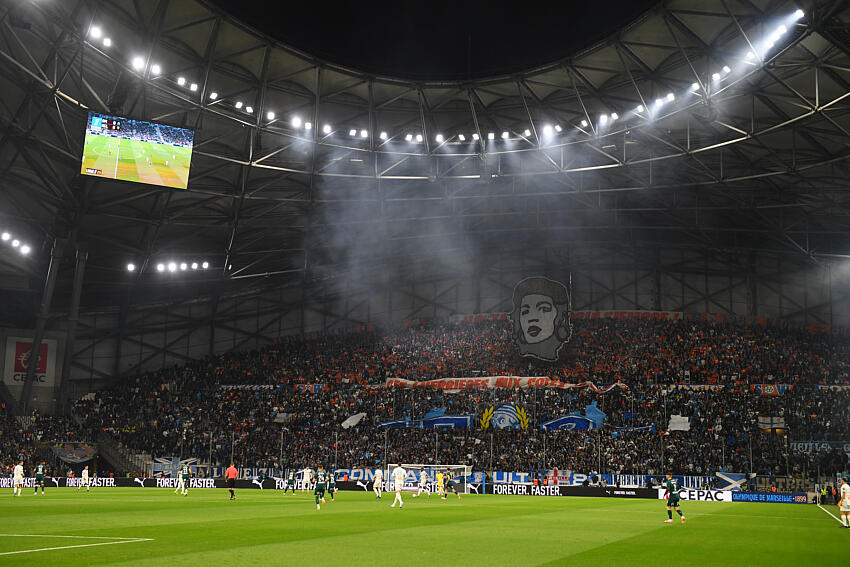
column 490, row 382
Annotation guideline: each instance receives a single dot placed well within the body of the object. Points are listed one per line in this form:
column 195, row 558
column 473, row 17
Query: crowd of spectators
column 263, row 409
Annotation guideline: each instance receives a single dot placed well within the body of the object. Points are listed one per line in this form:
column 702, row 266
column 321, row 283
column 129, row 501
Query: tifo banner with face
column 489, row 382
column 19, row 357
column 541, row 318
column 74, row 452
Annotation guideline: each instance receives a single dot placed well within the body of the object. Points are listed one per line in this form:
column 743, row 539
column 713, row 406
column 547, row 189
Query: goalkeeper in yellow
column 440, row 481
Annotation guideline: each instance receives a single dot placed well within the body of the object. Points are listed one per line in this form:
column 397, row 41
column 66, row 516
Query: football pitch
column 130, row 160
column 155, row 526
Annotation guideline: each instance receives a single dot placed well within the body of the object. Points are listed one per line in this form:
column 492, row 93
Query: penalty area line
column 837, row 519
column 119, row 541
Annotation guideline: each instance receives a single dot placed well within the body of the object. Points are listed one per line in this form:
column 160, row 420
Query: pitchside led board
column 134, row 150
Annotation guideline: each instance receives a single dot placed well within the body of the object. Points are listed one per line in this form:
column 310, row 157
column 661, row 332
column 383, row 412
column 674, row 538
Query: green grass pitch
column 143, row 162
column 270, row 528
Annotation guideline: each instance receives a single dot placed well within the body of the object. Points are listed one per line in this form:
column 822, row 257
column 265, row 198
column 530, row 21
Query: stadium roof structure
column 718, row 129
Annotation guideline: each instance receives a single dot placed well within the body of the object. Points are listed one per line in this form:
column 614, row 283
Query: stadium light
column 527, row 133
column 461, row 137
column 205, row 265
column 364, row 133
column 750, row 55
column 296, row 122
column 671, row 97
column 383, row 135
column 491, row 136
column 603, row 119
column 558, row 128
column 408, row 138
column 270, row 115
column 238, row 104
column 138, row 63
column 352, row 132
column 781, row 30
column 547, row 130
column 584, row 123
column 95, row 32
column 308, row 125
column 194, row 265
column 439, row 138
column 182, row 81
column 419, row 138
column 639, row 108
column 193, row 87
column 505, row 135
column 614, row 116
column 156, row 69
column 172, row 267
column 659, row 102
column 183, row 266
column 107, row 42
column 326, row 129
column 726, row 69
column 25, row 249
column 160, row 267
column 16, row 243
column 716, row 76
column 799, row 14
column 131, row 267
column 5, row 236
column 249, row 109
column 694, row 86
column 475, row 136
column 213, row 95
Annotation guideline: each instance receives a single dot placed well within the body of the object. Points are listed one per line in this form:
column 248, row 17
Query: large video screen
column 134, row 150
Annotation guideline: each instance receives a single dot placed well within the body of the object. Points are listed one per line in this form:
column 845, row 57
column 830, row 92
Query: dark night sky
column 439, row 39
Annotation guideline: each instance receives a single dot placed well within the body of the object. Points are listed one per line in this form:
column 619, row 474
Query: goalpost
column 460, row 473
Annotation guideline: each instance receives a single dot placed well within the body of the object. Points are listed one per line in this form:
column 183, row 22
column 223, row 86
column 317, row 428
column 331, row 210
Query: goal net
column 459, row 473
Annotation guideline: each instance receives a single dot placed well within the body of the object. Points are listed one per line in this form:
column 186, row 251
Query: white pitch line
column 68, row 536
column 74, row 546
column 837, row 519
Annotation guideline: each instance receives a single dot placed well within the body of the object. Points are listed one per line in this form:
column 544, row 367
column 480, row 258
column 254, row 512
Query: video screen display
column 134, row 150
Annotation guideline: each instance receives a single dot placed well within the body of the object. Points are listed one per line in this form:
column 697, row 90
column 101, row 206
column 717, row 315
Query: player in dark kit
column 331, row 485
column 321, row 483
column 290, row 482
column 450, row 486
column 672, row 487
column 40, row 471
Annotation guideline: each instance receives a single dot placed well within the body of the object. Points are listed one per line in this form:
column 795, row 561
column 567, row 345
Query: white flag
column 353, row 420
column 679, row 423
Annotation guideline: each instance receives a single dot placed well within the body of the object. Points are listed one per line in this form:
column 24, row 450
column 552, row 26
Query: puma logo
column 141, row 481
column 474, row 487
column 55, row 481
column 258, row 482
column 359, row 483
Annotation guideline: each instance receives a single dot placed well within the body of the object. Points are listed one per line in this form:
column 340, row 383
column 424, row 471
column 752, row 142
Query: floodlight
column 491, row 136
column 107, row 42
column 172, row 267
column 614, row 116
column 505, row 135
column 308, row 125
column 238, row 104
column 694, row 86
column 716, row 76
column 156, row 69
column 5, row 236
column 584, row 123
column 726, row 69
column 670, row 97
column 194, row 265
column 408, row 138
column 131, row 267
column 326, row 129
column 475, row 136
column 352, row 132
column 193, row 87
column 181, row 81
column 419, row 138
column 138, row 63
column 659, row 102
column 798, row 14
column 639, row 108
column 603, row 119
column 527, row 133
column 781, row 29
column 547, row 130
column 270, row 115
column 750, row 54
column 213, row 95
column 296, row 122
column 249, row 109
column 16, row 243
column 95, row 32
column 383, row 135
column 461, row 137
column 439, row 138
column 160, row 267
column 205, row 265
column 558, row 128
column 25, row 249
column 363, row 133
column 183, row 266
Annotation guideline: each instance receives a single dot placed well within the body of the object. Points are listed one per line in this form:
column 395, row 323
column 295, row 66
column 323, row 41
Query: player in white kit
column 378, row 483
column 398, row 476
column 84, row 479
column 844, row 492
column 423, row 484
column 18, row 479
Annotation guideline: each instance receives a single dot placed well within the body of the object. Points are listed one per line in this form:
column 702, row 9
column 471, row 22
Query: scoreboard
column 100, row 123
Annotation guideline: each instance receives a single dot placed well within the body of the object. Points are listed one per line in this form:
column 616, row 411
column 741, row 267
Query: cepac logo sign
column 23, row 357
column 20, row 358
